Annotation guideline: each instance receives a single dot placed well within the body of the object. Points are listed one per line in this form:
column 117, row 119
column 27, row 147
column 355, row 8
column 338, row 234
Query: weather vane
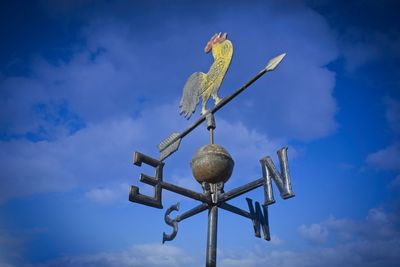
column 212, row 165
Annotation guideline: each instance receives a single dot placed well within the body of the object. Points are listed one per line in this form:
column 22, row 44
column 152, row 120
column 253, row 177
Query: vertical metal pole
column 211, row 126
column 211, row 259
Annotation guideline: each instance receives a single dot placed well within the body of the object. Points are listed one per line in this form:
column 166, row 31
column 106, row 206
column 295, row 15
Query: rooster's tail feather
column 191, row 94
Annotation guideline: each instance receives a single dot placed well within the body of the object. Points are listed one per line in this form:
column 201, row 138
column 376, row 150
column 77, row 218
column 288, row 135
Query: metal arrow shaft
column 272, row 64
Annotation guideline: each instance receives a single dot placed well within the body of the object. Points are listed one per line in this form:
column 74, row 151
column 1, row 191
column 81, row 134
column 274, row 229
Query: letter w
column 259, row 218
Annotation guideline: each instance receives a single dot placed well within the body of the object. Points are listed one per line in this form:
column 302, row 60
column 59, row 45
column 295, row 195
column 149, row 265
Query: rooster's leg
column 203, row 106
column 216, row 98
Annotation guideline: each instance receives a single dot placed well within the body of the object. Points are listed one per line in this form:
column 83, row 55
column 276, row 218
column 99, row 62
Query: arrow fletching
column 169, row 145
column 273, row 63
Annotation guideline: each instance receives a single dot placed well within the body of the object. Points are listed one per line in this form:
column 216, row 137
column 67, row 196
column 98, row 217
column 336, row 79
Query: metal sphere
column 212, row 164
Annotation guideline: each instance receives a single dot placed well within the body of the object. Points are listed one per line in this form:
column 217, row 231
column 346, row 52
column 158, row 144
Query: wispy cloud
column 374, row 241
column 315, row 233
column 98, row 158
column 72, row 122
column 10, row 248
column 393, row 113
column 150, row 255
column 387, row 158
column 360, row 47
column 112, row 73
column 108, row 195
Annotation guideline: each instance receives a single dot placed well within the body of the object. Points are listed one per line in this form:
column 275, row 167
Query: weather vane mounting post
column 212, row 165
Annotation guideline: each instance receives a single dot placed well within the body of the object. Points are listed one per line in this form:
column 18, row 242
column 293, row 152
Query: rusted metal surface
column 135, row 195
column 171, row 222
column 211, row 250
column 212, row 164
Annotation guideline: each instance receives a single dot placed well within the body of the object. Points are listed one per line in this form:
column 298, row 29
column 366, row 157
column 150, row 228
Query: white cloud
column 118, row 90
column 359, row 54
column 346, row 166
column 315, row 233
column 378, row 225
column 393, row 113
column 149, row 255
column 275, row 240
column 101, row 195
column 98, row 158
column 360, row 47
column 6, row 239
column 372, row 242
column 97, row 153
column 10, row 248
column 108, row 195
column 356, row 254
column 299, row 92
column 396, row 181
column 387, row 158
column 112, row 73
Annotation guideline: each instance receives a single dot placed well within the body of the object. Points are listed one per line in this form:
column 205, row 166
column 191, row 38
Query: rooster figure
column 207, row 84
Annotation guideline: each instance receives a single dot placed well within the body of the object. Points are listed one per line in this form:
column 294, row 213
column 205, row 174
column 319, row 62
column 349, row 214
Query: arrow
column 171, row 144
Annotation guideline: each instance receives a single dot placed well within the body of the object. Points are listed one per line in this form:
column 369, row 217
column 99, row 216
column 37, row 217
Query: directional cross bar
column 241, row 190
column 196, row 210
column 185, row 192
column 235, row 210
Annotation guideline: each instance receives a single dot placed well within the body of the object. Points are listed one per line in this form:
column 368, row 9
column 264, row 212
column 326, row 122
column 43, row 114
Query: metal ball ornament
column 212, row 164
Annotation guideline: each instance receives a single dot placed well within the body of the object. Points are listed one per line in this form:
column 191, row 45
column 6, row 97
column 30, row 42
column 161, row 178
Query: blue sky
column 84, row 84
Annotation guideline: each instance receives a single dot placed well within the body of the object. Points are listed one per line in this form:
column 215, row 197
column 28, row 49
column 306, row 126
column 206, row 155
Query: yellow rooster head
column 216, row 39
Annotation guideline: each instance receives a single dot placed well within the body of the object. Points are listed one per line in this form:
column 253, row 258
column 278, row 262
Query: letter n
column 259, row 217
column 282, row 179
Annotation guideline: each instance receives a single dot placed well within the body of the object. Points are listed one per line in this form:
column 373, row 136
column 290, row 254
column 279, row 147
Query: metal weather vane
column 212, row 165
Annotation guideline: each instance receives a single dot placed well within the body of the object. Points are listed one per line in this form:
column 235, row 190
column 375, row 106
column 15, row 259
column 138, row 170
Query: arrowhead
column 273, row 63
